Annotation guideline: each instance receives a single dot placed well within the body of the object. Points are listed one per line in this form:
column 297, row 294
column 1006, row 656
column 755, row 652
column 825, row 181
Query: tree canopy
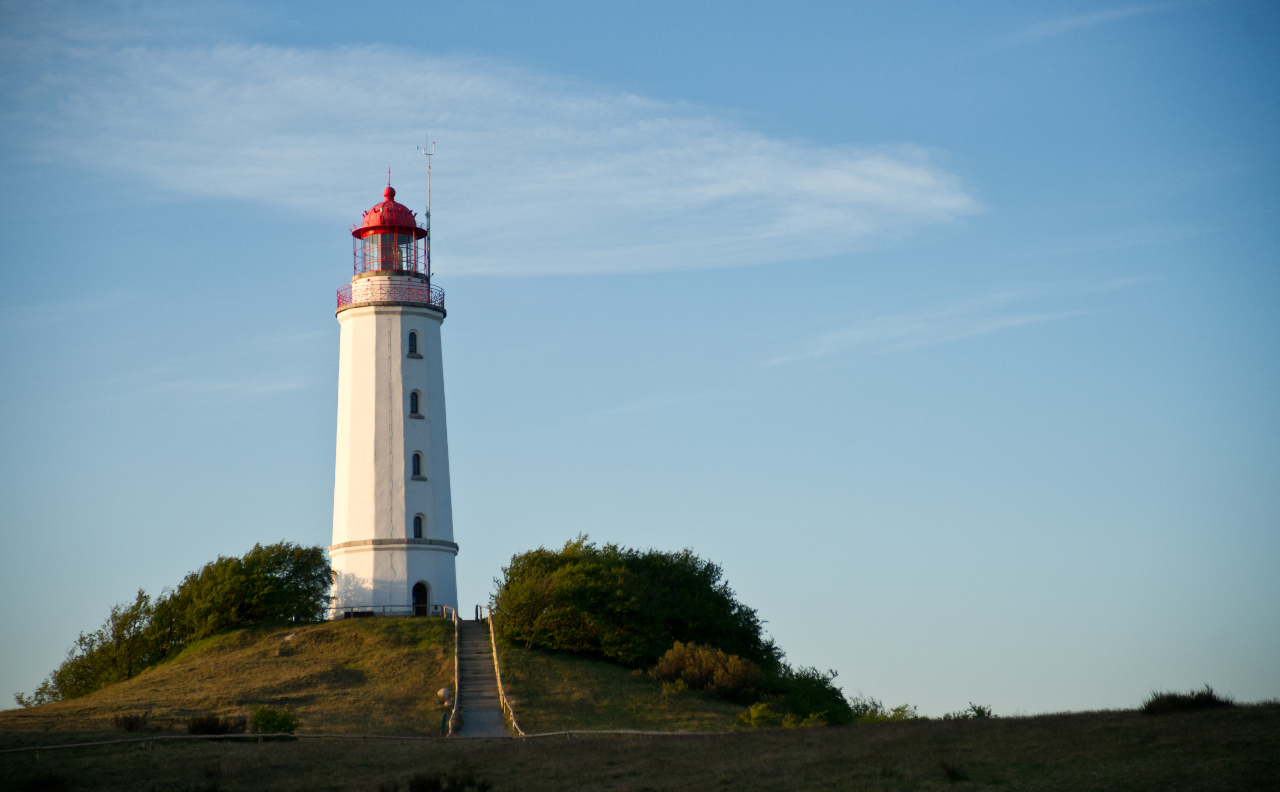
column 626, row 605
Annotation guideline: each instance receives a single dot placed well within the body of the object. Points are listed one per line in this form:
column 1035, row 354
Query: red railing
column 384, row 291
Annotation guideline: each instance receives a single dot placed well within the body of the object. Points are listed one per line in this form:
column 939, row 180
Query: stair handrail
column 457, row 688
column 497, row 672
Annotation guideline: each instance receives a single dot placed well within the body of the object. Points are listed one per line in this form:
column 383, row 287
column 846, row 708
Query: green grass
column 374, row 676
column 559, row 692
column 358, row 675
column 1211, row 750
column 379, row 676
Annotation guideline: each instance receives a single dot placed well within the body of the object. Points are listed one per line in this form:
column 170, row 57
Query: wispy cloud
column 165, row 380
column 533, row 175
column 238, row 387
column 652, row 404
column 264, row 366
column 1003, row 310
column 37, row 313
column 1068, row 24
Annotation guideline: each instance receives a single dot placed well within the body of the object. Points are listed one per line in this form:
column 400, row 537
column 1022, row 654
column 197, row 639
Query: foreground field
column 1233, row 749
column 379, row 677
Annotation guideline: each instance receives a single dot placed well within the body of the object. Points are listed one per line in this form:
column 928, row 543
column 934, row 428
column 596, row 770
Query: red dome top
column 388, row 216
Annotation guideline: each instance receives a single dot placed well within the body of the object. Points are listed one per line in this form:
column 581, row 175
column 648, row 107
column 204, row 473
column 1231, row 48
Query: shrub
column 131, row 721
column 1163, row 703
column 870, row 710
column 974, row 711
column 625, row 605
column 273, row 721
column 808, row 691
column 867, row 709
column 759, row 715
column 280, row 581
column 632, row 607
column 793, row 721
column 704, row 668
column 212, row 724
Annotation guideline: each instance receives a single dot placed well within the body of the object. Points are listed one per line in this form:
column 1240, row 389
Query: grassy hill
column 357, row 675
column 373, row 676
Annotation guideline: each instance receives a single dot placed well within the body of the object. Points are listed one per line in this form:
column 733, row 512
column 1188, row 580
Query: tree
column 626, row 605
column 282, row 581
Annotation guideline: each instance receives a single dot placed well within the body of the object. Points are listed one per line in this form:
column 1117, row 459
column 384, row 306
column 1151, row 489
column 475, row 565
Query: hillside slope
column 554, row 692
column 359, row 675
column 373, row 676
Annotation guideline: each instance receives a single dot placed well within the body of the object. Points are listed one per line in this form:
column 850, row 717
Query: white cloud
column 955, row 321
column 652, row 404
column 534, row 175
column 1061, row 25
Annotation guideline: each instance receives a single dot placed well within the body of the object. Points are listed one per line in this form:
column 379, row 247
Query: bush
column 808, row 691
column 625, row 605
column 974, row 711
column 870, row 710
column 759, row 715
column 273, row 721
column 131, row 721
column 212, row 724
column 794, row 721
column 1163, row 703
column 703, row 668
column 280, row 581
column 632, row 607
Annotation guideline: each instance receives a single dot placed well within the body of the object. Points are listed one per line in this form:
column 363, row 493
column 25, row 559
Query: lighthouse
column 393, row 551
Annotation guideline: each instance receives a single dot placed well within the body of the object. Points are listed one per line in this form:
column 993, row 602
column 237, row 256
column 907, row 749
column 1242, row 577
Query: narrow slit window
column 413, row 403
column 417, row 464
column 417, row 527
column 413, row 345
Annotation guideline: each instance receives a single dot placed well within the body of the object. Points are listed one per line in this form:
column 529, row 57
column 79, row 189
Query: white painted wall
column 375, row 496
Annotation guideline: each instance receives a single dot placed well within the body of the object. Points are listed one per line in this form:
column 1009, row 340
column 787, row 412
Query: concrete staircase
column 478, row 701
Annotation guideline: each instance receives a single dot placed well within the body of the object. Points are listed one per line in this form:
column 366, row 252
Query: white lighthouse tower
column 393, row 550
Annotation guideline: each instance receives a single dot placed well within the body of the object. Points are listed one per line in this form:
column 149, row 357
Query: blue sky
column 949, row 330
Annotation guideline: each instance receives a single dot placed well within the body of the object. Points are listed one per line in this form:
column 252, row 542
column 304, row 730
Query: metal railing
column 368, row 290
column 457, row 688
column 359, row 611
column 497, row 670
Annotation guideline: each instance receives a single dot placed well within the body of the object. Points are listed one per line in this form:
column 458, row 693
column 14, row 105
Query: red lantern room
column 392, row 254
column 390, row 241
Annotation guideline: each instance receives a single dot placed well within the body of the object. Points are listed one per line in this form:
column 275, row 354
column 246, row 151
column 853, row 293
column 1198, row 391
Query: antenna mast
column 429, row 152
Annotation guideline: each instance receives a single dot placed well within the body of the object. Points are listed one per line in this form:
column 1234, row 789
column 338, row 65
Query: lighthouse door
column 420, row 604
